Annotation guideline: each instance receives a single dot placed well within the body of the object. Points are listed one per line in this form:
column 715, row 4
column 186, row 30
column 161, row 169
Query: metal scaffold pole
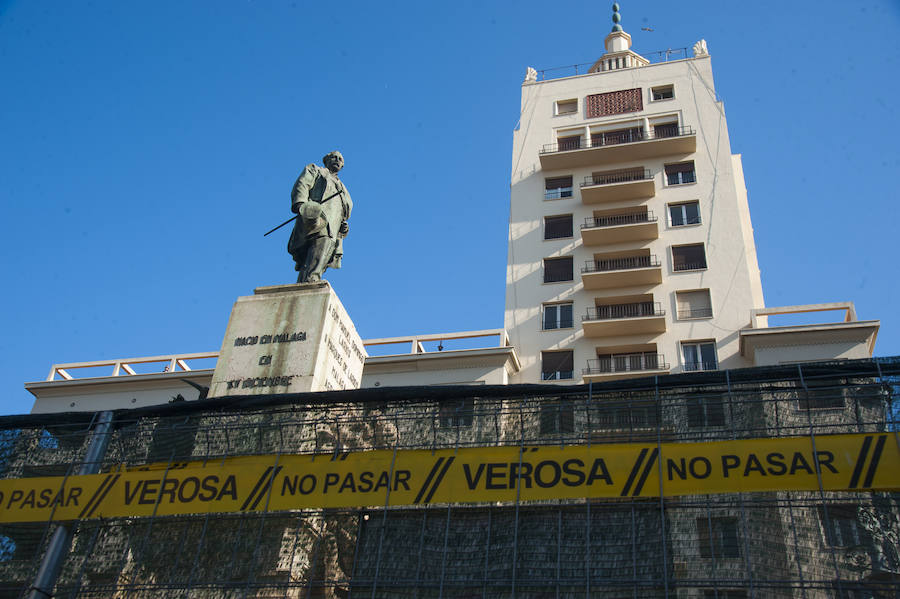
column 61, row 541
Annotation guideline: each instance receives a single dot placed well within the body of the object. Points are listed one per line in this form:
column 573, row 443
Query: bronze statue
column 322, row 206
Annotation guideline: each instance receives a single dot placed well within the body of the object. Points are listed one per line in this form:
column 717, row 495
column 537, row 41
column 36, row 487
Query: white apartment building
column 631, row 248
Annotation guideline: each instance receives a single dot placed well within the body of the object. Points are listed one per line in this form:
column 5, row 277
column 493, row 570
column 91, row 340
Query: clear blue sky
column 145, row 147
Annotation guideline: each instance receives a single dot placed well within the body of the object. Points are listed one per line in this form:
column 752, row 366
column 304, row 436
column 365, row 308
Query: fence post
column 61, row 541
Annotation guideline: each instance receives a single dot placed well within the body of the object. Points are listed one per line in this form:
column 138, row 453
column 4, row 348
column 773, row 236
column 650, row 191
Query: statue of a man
column 322, row 206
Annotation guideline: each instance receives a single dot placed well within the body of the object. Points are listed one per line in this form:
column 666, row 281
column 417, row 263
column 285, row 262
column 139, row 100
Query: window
column 619, row 136
column 688, row 257
column 699, row 355
column 681, row 173
column 557, row 365
column 558, row 187
column 627, row 100
column 665, row 130
column 456, row 413
column 662, row 92
column 724, row 594
column 842, row 528
column 558, row 269
column 557, row 316
column 703, row 412
column 693, row 304
column 687, row 213
column 572, row 142
column 718, row 537
column 566, row 106
column 557, row 418
column 624, row 415
column 821, row 394
column 557, row 227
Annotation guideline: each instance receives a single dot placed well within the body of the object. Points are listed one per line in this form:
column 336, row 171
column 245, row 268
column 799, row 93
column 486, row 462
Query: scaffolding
column 786, row 543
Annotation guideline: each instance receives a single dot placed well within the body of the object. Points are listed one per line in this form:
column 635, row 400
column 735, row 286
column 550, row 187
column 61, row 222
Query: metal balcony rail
column 558, row 193
column 613, row 138
column 690, row 266
column 626, row 363
column 619, row 219
column 584, row 67
column 633, row 310
column 620, row 263
column 698, row 366
column 558, row 375
column 636, row 174
column 695, row 313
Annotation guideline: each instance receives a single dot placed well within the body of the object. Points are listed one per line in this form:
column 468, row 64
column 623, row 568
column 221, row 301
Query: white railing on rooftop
column 124, row 367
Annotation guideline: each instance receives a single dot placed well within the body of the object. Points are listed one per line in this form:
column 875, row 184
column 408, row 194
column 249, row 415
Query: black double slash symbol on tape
column 435, row 480
column 99, row 495
column 634, row 472
column 861, row 462
column 261, row 488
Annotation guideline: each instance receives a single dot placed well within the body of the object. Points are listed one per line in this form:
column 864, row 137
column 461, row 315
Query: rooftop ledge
column 851, row 330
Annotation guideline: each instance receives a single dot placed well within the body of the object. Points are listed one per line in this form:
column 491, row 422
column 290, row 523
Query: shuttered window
column 572, row 142
column 566, row 106
column 693, row 304
column 558, row 187
column 666, row 130
column 558, row 269
column 688, row 257
column 557, row 227
column 683, row 172
column 557, row 365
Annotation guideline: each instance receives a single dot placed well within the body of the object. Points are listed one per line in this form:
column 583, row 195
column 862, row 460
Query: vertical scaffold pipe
column 61, row 541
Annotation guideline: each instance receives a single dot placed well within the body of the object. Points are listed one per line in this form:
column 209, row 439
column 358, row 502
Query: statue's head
column 333, row 161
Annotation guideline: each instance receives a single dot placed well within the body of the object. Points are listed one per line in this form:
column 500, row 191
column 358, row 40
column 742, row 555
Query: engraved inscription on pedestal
column 288, row 339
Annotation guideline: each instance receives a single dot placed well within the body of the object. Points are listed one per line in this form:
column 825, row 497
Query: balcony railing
column 612, row 138
column 697, row 366
column 698, row 265
column 619, row 219
column 695, row 313
column 633, row 310
column 637, row 174
column 558, row 193
column 626, row 363
column 558, row 375
column 620, row 264
column 584, row 67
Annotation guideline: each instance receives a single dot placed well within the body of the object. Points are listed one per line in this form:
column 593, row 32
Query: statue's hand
column 295, row 208
column 344, row 229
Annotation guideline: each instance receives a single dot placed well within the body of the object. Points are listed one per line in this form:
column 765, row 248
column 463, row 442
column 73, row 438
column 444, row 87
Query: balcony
column 621, row 272
column 616, row 186
column 618, row 228
column 624, row 366
column 618, row 146
column 624, row 319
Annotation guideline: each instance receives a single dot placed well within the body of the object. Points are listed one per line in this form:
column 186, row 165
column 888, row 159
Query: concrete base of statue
column 288, row 339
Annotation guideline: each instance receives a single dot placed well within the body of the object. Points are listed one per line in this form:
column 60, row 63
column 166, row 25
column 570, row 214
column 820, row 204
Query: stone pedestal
column 288, row 339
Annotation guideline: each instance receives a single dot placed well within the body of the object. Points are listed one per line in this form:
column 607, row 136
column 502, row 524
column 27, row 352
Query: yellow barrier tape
column 466, row 475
